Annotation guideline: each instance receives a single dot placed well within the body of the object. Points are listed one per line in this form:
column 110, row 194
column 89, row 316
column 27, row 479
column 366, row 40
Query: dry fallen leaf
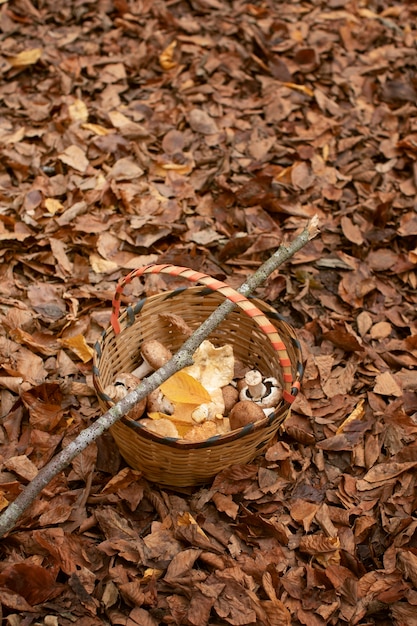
column 75, row 157
column 386, row 385
column 53, row 205
column 25, row 58
column 78, row 111
column 79, row 346
column 166, row 58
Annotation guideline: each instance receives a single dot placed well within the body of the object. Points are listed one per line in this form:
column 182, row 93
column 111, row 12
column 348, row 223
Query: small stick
column 181, row 359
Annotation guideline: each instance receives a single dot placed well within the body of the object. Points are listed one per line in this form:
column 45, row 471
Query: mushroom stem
column 256, row 388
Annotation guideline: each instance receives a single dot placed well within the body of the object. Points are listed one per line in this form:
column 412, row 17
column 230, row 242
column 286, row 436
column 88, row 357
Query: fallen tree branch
column 181, row 359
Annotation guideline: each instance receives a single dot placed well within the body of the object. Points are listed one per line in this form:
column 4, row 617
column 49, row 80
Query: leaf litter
column 203, row 134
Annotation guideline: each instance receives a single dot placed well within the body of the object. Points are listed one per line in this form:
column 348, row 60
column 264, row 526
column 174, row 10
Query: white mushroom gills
column 265, row 392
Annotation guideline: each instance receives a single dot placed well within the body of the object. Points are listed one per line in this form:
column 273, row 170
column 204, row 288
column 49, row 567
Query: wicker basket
column 260, row 339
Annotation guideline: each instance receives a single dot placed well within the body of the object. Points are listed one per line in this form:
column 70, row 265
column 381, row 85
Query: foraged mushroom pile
column 215, row 395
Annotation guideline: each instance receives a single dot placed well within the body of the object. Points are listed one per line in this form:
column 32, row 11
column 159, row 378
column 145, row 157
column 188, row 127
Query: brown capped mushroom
column 245, row 412
column 154, row 355
column 230, row 397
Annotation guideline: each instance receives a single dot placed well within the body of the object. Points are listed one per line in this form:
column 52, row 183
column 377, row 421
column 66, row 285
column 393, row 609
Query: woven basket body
column 174, row 461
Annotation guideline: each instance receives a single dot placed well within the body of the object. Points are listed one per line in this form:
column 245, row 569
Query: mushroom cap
column 200, row 432
column 253, row 377
column 230, row 397
column 155, row 353
column 245, row 412
column 163, row 427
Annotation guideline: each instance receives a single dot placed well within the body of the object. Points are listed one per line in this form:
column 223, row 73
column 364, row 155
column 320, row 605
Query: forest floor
column 203, row 133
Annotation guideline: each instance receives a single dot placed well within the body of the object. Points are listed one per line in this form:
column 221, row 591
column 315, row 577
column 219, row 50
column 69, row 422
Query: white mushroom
column 204, row 412
column 265, row 392
column 154, row 355
column 255, row 387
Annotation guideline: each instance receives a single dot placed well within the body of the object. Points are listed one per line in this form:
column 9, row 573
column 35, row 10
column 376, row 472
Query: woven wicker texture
column 272, row 348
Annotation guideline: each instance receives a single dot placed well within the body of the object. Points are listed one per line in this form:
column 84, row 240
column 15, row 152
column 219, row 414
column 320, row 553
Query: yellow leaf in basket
column 183, row 427
column 185, row 389
column 158, row 415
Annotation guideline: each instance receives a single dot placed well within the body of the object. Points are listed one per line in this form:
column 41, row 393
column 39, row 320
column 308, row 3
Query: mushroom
column 124, row 384
column 230, row 397
column 178, row 323
column 158, row 403
column 200, row 432
column 204, row 412
column 222, row 425
column 163, row 427
column 245, row 412
column 265, row 392
column 154, row 355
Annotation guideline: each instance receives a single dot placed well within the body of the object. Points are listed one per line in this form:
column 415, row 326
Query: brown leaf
column 382, row 259
column 234, row 605
column 22, row 466
column 351, row 231
column 45, row 405
column 387, row 471
column 14, row 601
column 235, row 478
column 301, row 176
column 325, row 549
column 407, row 563
column 181, row 564
column 303, row 511
column 202, row 122
column 386, row 385
column 343, row 339
column 75, row 157
column 199, row 610
column 141, row 617
column 226, row 504
column 33, row 582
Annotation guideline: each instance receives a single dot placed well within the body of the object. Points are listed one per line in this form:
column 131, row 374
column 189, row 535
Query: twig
column 180, row 360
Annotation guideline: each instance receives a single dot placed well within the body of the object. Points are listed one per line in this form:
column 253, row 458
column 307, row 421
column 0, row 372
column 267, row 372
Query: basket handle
column 231, row 294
